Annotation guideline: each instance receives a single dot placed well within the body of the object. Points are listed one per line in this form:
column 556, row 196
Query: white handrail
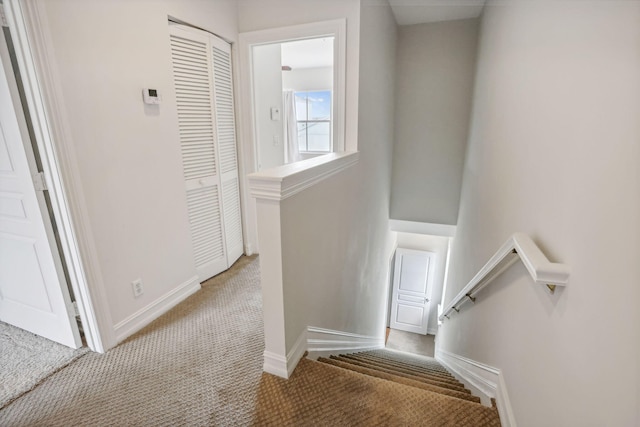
column 519, row 246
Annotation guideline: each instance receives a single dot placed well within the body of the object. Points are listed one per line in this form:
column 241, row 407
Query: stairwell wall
column 434, row 85
column 553, row 152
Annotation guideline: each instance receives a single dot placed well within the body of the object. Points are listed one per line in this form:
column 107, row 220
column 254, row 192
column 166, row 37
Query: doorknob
column 426, row 300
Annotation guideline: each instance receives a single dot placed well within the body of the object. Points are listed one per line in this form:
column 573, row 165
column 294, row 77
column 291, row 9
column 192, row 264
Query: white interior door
column 33, row 292
column 412, row 283
column 204, row 96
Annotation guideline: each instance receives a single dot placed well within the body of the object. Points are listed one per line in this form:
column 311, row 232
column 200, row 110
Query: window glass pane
column 319, row 136
column 301, row 105
column 302, row 136
column 319, row 105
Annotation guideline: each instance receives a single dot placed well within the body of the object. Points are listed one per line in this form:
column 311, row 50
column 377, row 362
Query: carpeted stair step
column 421, row 361
column 319, row 394
column 400, row 380
column 401, row 374
column 438, row 376
column 433, row 367
column 436, row 380
column 398, row 356
column 412, row 371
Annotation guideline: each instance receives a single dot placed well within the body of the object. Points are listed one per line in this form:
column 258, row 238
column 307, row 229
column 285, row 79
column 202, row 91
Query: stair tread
column 418, row 364
column 421, row 378
column 441, row 376
column 324, row 394
column 401, row 380
column 421, row 361
column 435, row 377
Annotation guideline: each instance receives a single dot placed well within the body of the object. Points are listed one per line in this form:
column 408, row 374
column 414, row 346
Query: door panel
column 206, row 121
column 33, row 291
column 412, row 285
column 193, row 80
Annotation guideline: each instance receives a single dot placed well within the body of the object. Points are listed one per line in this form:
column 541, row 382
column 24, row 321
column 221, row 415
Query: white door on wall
column 412, row 284
column 204, row 97
column 33, row 291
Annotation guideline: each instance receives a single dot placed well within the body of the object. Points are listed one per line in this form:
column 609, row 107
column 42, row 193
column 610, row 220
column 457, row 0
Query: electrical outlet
column 138, row 289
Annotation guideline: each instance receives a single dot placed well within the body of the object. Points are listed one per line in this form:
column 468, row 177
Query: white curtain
column 291, row 151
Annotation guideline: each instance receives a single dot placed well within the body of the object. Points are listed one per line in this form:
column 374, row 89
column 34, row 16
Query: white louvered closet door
column 212, row 207
column 226, row 133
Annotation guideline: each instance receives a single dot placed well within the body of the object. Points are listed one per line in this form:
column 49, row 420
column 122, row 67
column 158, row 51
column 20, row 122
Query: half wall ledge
column 284, row 181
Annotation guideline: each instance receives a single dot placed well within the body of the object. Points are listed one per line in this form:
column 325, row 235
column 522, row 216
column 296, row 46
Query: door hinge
column 39, row 183
column 3, row 17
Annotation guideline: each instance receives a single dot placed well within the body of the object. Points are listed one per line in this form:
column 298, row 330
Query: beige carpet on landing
column 411, row 343
column 199, row 364
column 26, row 359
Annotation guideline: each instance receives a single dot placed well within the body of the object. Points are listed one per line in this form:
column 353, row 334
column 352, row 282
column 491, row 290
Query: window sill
column 284, row 181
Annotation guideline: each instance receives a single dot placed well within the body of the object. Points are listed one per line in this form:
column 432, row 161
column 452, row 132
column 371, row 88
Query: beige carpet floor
column 26, row 359
column 199, row 364
column 411, row 343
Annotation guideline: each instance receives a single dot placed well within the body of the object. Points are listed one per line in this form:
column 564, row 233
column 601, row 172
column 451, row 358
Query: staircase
column 379, row 387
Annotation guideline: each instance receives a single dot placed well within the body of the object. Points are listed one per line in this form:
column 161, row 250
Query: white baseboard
column 151, row 312
column 283, row 367
column 486, row 381
column 322, row 340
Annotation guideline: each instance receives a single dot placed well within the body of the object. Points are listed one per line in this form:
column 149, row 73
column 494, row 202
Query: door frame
column 29, row 32
column 247, row 140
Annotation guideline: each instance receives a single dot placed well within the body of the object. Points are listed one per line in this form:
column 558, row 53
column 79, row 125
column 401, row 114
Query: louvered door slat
column 224, row 110
column 191, row 65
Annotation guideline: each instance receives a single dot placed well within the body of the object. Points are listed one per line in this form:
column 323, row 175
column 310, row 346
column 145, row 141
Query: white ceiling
column 409, row 12
column 310, row 53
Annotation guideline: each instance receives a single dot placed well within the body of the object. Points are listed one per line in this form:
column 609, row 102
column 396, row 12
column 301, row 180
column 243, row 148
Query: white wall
column 553, row 152
column 335, row 240
column 439, row 246
column 267, row 87
column 436, row 65
column 128, row 155
column 301, row 79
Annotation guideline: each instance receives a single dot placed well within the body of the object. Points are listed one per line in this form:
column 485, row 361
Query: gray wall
column 434, row 85
column 553, row 152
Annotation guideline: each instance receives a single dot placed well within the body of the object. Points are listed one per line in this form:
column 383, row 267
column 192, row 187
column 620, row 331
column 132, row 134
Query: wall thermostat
column 151, row 96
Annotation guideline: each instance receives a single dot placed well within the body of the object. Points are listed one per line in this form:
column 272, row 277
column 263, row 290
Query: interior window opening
column 293, row 100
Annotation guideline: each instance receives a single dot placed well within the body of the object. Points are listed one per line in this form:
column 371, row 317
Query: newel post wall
column 284, row 329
